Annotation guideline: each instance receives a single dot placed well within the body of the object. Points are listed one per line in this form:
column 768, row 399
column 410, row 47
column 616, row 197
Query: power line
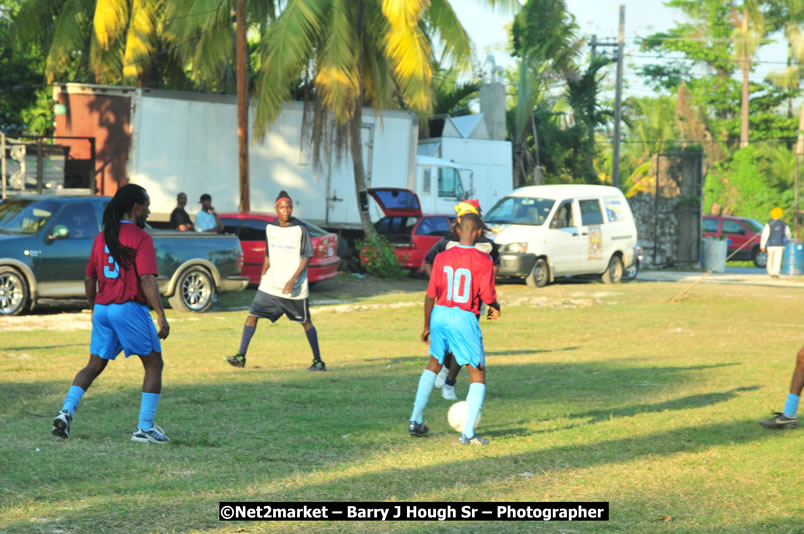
column 735, row 60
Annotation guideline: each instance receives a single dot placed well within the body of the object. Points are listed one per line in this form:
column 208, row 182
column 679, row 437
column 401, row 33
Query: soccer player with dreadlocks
column 120, row 282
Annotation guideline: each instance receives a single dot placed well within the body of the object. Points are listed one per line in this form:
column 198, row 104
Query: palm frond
column 70, row 37
column 110, row 21
column 285, row 52
column 441, row 18
column 408, row 51
column 338, row 76
column 141, row 39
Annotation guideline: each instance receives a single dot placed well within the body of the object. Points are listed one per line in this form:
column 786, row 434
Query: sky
column 487, row 27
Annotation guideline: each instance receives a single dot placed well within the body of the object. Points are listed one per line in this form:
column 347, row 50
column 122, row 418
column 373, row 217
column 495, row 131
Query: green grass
column 595, row 393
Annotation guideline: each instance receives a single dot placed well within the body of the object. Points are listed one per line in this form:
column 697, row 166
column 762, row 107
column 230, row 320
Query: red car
column 250, row 228
column 411, row 233
column 739, row 231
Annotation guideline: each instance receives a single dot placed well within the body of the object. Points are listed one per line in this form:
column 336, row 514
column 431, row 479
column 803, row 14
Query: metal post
column 618, row 101
column 93, row 186
column 39, row 167
column 796, row 217
column 3, row 155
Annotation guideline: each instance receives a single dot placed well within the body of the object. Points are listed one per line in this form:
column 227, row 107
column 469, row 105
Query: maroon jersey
column 117, row 284
column 462, row 277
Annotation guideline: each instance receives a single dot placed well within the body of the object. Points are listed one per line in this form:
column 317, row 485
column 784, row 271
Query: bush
column 378, row 258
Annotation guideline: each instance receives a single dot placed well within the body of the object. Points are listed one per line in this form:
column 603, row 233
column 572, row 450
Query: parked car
column 739, row 232
column 547, row 231
column 410, row 232
column 250, row 228
column 45, row 243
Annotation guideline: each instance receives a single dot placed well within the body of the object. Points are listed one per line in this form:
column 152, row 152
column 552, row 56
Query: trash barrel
column 714, row 254
column 793, row 259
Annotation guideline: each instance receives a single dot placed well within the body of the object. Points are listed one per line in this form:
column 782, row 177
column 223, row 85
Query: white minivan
column 548, row 231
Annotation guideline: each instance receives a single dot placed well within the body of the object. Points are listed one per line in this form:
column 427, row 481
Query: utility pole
column 618, row 101
column 242, row 103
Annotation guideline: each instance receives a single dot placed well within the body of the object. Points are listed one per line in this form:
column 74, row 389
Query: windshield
column 315, row 230
column 753, row 225
column 520, row 210
column 24, row 216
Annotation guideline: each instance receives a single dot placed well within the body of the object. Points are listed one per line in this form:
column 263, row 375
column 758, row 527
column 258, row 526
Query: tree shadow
column 46, row 347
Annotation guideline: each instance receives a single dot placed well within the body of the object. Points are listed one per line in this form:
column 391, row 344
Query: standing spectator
column 207, row 219
column 120, row 283
column 774, row 237
column 179, row 219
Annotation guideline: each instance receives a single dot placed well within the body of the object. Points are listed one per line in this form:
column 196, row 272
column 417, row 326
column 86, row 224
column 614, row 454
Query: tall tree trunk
column 744, row 65
column 356, row 147
column 242, row 104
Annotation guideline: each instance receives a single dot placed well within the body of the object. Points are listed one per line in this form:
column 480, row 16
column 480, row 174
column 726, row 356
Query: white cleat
column 448, row 393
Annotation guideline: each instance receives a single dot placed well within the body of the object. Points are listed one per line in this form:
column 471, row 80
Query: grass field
column 595, row 393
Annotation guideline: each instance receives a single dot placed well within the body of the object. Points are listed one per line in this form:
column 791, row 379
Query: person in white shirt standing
column 283, row 288
column 774, row 237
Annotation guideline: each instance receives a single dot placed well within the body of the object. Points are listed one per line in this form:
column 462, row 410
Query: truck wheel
column 614, row 272
column 540, row 274
column 760, row 258
column 194, row 291
column 13, row 292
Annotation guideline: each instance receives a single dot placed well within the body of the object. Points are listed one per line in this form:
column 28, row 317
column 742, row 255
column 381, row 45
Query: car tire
column 631, row 272
column 14, row 292
column 614, row 272
column 540, row 274
column 195, row 291
column 760, row 258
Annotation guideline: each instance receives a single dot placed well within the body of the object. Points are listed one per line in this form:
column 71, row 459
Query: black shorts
column 272, row 307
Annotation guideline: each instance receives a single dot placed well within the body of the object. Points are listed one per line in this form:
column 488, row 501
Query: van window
column 563, row 217
column 615, row 209
column 520, row 210
column 590, row 212
column 449, row 183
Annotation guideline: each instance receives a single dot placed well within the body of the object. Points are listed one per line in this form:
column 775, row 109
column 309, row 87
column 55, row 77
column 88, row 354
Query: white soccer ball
column 457, row 415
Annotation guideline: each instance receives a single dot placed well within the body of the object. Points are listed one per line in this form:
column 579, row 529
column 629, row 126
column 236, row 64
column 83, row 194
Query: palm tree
column 111, row 41
column 544, row 36
column 747, row 36
column 354, row 53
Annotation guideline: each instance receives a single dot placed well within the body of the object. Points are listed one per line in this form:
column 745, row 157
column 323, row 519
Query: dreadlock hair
column 122, row 203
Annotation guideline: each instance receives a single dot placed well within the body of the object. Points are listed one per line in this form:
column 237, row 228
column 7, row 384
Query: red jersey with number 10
column 462, row 277
column 116, row 284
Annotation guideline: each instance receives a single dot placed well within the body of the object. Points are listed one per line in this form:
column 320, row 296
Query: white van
column 548, row 231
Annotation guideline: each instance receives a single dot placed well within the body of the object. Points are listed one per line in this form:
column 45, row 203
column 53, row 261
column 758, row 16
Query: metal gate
column 678, row 208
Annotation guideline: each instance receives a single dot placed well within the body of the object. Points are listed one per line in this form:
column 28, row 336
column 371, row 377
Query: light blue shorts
column 127, row 327
column 456, row 331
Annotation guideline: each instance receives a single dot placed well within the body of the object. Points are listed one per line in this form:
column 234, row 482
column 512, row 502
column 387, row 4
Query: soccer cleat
column 474, row 440
column 417, row 430
column 448, row 393
column 61, row 424
column 779, row 420
column 441, row 377
column 155, row 435
column 238, row 360
column 317, row 366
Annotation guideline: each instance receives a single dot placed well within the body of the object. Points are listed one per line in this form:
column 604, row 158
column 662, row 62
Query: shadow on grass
column 47, row 347
column 250, row 425
column 404, row 359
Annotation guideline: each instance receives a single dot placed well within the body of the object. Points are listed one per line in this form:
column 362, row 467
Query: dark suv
column 738, row 231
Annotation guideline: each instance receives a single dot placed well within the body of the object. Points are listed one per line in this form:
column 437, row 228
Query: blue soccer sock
column 477, row 392
column 248, row 331
column 426, row 382
column 312, row 338
column 148, row 410
column 73, row 398
column 791, row 406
